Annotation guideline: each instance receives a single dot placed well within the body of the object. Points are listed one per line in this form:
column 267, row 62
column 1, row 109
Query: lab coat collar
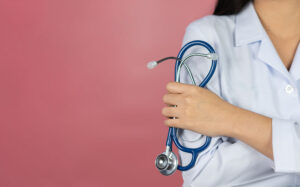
column 249, row 29
column 268, row 54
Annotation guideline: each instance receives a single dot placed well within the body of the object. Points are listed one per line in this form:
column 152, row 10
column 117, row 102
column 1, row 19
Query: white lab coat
column 250, row 75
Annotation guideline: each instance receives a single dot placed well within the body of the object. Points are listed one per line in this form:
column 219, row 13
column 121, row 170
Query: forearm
column 251, row 128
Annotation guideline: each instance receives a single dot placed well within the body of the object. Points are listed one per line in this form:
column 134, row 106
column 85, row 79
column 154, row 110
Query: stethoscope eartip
column 152, row 64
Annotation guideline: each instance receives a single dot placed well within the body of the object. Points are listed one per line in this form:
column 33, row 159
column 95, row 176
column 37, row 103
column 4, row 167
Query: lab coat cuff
column 283, row 144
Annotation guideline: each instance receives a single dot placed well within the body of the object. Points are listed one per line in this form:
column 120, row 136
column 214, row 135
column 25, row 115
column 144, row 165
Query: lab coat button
column 289, row 89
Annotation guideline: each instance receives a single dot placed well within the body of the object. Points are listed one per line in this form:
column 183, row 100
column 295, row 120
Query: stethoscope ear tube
column 209, row 48
column 167, row 162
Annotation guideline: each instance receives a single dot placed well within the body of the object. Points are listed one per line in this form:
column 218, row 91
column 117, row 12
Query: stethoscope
column 167, row 162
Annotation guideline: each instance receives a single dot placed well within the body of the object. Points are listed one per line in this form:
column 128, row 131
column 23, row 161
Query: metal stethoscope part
column 167, row 162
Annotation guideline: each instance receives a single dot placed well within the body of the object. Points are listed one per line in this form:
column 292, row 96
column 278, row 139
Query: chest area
column 249, row 83
column 285, row 47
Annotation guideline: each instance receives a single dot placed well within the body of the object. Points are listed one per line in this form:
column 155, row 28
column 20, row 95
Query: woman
column 251, row 106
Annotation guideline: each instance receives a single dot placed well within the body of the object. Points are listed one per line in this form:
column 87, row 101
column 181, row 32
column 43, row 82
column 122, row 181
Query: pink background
column 78, row 107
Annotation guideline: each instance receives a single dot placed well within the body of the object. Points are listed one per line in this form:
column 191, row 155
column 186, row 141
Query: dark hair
column 228, row 7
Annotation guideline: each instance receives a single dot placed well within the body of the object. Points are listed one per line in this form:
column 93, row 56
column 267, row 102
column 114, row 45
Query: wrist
column 229, row 122
column 244, row 123
column 239, row 122
column 251, row 128
column 236, row 121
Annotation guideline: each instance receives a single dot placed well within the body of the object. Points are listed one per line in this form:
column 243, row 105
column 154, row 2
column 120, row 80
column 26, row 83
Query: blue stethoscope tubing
column 172, row 133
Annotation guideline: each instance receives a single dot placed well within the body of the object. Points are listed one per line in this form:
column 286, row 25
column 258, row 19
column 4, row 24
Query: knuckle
column 194, row 89
column 168, row 86
column 188, row 99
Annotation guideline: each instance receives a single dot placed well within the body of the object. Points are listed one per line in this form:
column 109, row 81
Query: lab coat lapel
column 268, row 54
column 249, row 30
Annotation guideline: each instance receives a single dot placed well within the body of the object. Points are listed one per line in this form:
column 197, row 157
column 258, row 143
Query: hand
column 202, row 111
column 197, row 109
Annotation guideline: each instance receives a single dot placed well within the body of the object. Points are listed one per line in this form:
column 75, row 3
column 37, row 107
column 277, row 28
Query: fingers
column 176, row 87
column 171, row 99
column 175, row 96
column 172, row 122
column 170, row 112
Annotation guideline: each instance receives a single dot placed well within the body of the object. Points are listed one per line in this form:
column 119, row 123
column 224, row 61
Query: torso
column 251, row 76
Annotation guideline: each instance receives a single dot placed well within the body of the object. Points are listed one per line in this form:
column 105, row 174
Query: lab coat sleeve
column 286, row 145
column 236, row 162
column 199, row 67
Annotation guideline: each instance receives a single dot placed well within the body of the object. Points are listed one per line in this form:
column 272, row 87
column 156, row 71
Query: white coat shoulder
column 213, row 29
column 218, row 31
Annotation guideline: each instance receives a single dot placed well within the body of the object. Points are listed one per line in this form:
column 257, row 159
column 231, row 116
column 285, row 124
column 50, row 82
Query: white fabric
column 251, row 75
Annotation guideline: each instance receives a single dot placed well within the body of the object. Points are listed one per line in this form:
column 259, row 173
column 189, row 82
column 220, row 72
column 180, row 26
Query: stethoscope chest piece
column 166, row 164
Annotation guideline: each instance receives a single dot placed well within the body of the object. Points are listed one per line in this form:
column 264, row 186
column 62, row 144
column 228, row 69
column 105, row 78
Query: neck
column 280, row 17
